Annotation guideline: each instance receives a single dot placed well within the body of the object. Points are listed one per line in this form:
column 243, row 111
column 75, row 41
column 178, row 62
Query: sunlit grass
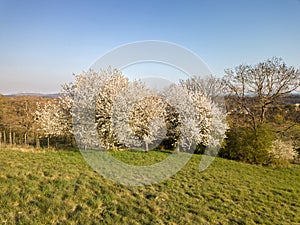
column 60, row 188
column 140, row 158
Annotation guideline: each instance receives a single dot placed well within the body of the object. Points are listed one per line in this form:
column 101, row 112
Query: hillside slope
column 60, row 188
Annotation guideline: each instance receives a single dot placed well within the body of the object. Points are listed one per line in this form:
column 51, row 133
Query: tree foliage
column 248, row 145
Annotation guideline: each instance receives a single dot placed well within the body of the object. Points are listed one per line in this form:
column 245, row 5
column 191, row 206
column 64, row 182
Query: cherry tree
column 139, row 116
column 105, row 100
column 78, row 101
column 87, row 102
column 48, row 120
column 147, row 119
column 193, row 116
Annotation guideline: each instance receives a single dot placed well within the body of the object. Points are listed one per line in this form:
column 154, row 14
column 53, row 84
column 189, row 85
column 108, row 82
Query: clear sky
column 43, row 42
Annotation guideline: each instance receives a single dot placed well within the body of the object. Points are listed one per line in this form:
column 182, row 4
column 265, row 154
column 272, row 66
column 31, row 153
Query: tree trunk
column 147, row 147
column 0, row 138
column 4, row 137
column 10, row 137
column 38, row 144
column 48, row 142
column 263, row 113
column 177, row 150
column 73, row 141
column 14, row 138
column 25, row 138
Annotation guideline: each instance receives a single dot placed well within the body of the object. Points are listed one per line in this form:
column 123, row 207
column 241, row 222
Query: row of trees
column 17, row 120
column 30, row 120
column 104, row 110
column 108, row 112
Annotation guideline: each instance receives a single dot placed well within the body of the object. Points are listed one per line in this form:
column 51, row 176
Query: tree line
column 259, row 121
column 21, row 120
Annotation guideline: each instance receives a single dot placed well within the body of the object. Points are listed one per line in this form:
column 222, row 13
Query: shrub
column 282, row 153
column 248, row 145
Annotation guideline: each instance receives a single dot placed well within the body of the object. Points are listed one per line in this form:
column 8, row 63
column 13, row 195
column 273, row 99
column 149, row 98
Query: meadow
column 59, row 187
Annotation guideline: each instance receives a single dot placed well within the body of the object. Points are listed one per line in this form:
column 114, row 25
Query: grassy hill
column 60, row 188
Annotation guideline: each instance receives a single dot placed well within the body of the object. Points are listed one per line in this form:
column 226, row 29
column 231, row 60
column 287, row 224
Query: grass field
column 60, row 188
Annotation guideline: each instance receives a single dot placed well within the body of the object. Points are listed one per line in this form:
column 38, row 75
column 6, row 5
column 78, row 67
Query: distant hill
column 291, row 99
column 56, row 95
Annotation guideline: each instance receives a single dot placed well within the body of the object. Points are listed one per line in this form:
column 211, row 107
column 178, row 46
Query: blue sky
column 43, row 42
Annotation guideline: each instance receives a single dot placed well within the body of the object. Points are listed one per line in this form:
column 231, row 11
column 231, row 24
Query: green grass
column 60, row 188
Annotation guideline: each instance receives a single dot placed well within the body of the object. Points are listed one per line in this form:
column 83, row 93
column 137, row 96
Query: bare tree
column 253, row 88
column 211, row 86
